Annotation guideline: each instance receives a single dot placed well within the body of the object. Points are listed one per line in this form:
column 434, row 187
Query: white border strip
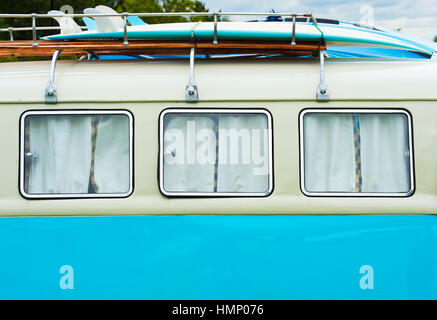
column 76, row 195
column 214, row 194
column 355, row 194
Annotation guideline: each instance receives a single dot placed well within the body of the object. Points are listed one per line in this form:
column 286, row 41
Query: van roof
column 220, row 80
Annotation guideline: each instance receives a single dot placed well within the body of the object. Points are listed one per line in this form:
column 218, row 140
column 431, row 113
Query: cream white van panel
column 254, row 80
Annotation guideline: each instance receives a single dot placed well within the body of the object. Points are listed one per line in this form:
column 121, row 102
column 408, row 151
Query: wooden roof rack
column 150, row 47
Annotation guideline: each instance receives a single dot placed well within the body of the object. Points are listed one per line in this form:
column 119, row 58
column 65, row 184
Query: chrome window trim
column 215, row 194
column 356, row 194
column 77, row 195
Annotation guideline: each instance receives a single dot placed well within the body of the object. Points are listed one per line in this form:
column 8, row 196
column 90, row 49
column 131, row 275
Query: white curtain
column 190, row 144
column 384, row 152
column 111, row 164
column 182, row 172
column 239, row 135
column 61, row 148
column 329, row 152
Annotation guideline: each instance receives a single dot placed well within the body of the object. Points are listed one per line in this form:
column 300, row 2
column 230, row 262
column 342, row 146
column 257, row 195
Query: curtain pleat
column 93, row 188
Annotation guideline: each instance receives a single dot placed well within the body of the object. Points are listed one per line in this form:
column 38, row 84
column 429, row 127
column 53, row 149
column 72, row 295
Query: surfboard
column 342, row 34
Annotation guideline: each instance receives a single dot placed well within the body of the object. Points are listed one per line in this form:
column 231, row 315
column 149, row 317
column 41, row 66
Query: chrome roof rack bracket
column 34, row 44
column 293, row 35
column 11, row 33
column 50, row 92
column 322, row 89
column 191, row 93
column 215, row 40
column 125, row 41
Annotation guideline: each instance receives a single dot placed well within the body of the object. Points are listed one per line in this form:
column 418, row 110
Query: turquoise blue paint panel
column 219, row 257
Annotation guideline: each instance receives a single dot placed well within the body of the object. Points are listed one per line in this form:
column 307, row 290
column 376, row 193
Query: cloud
column 417, row 17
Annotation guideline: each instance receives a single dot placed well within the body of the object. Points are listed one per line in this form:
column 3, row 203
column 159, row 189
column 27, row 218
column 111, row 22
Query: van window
column 76, row 154
column 356, row 152
column 215, row 152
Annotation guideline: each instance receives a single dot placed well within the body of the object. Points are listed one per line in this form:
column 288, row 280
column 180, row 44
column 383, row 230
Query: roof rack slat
column 48, row 47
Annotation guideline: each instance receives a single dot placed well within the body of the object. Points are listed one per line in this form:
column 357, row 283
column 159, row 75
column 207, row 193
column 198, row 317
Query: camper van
column 285, row 158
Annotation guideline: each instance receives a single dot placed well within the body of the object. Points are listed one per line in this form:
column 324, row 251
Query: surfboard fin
column 111, row 22
column 105, row 24
column 67, row 24
column 133, row 20
column 117, row 21
column 136, row 21
column 90, row 23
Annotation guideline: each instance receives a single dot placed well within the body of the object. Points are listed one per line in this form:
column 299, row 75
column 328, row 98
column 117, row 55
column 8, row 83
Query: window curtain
column 385, row 153
column 112, row 163
column 342, row 150
column 183, row 172
column 202, row 155
column 61, row 154
column 245, row 168
column 329, row 152
column 62, row 151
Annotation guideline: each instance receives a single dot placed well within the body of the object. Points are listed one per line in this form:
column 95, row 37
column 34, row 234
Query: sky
column 413, row 17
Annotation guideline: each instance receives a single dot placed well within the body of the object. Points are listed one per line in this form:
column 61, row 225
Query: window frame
column 171, row 110
column 356, row 194
column 32, row 196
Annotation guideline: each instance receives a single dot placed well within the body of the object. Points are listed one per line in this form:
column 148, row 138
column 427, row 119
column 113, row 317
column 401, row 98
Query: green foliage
column 435, row 39
column 165, row 6
column 40, row 6
column 16, row 59
column 132, row 6
column 140, row 6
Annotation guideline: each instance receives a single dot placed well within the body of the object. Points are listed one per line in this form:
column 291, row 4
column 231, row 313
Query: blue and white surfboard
column 337, row 35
